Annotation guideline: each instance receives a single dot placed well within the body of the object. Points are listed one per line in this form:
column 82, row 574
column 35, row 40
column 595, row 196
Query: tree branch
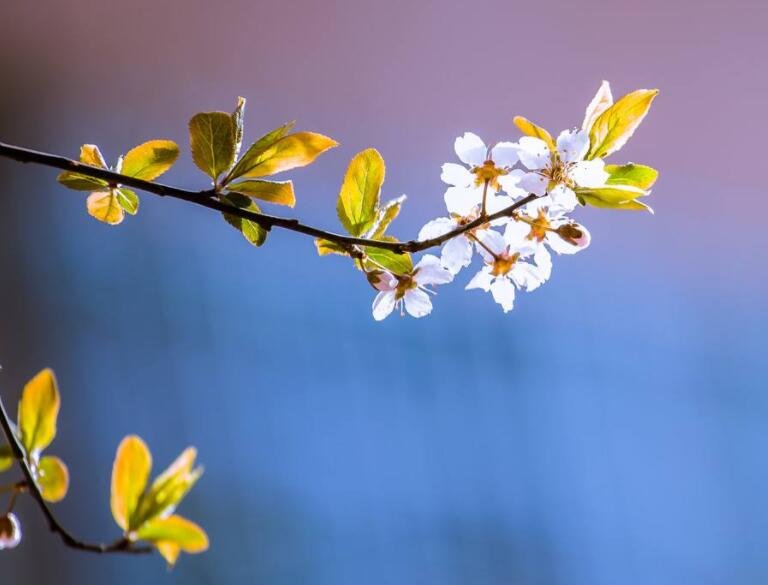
column 122, row 545
column 209, row 199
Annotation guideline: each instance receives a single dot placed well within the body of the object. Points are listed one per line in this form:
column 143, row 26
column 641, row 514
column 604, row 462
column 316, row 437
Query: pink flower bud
column 10, row 531
column 574, row 234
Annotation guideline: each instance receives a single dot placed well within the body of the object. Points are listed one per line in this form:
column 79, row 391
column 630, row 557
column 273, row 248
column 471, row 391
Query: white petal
column 516, row 233
column 430, row 270
column 496, row 203
column 533, row 152
column 457, row 253
column 526, row 276
column 563, row 198
column 458, row 175
column 383, row 304
column 482, row 280
column 510, row 183
column 492, row 240
column 589, row 173
column 436, row 228
column 471, row 149
column 503, row 293
column 462, row 201
column 572, row 145
column 417, row 303
column 543, row 260
column 534, row 183
column 504, row 154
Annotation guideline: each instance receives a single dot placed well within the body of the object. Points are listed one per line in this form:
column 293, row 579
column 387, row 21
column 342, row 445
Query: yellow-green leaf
column 530, row 129
column 52, row 478
column 169, row 488
column 615, row 125
column 359, row 196
column 212, row 137
column 280, row 192
column 290, row 152
column 105, row 206
column 80, row 182
column 128, row 200
column 325, row 247
column 172, row 535
column 130, row 472
column 251, row 156
column 239, row 121
column 602, row 101
column 91, row 155
column 380, row 258
column 627, row 205
column 150, row 160
column 612, row 194
column 251, row 230
column 6, row 457
column 639, row 176
column 386, row 215
column 38, row 411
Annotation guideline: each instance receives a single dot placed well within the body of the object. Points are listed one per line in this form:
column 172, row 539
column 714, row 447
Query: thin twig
column 122, row 545
column 209, row 199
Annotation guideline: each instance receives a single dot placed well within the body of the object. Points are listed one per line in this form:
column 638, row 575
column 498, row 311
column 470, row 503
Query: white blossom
column 10, row 531
column 542, row 226
column 409, row 291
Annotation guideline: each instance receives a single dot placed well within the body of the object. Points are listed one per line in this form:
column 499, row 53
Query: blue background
column 610, row 430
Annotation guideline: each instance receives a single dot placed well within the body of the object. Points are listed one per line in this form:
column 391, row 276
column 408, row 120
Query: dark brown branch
column 122, row 545
column 209, row 199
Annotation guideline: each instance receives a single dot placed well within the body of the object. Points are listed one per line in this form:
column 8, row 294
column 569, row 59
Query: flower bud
column 10, row 531
column 574, row 234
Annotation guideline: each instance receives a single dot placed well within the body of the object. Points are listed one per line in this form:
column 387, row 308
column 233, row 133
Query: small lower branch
column 122, row 545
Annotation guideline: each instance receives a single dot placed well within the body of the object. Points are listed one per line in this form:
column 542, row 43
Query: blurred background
column 610, row 430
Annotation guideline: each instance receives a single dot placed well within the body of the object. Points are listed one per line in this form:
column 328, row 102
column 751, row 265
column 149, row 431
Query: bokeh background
column 611, row 430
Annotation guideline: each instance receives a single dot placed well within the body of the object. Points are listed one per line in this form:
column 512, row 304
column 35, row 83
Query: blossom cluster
column 515, row 249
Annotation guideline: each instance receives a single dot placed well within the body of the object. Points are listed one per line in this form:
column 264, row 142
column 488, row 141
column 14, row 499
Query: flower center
column 405, row 283
column 559, row 173
column 503, row 263
column 489, row 172
column 539, row 227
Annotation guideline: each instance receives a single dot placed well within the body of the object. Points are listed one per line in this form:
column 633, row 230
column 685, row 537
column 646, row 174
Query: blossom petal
column 516, row 233
column 534, row 183
column 492, row 240
column 481, row 280
column 457, row 253
column 572, row 145
column 417, row 303
column 436, row 228
column 457, row 175
column 429, row 270
column 543, row 260
column 503, row 292
column 462, row 201
column 504, row 154
column 589, row 173
column 471, row 149
column 527, row 276
column 510, row 183
column 383, row 304
column 563, row 198
column 533, row 152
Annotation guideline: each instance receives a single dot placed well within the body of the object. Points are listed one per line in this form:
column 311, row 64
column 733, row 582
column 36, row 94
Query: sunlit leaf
column 212, row 137
column 639, row 176
column 150, row 160
column 325, row 247
column 6, row 457
column 53, row 478
column 392, row 261
column 130, row 473
column 169, row 488
column 81, row 182
column 251, row 230
column 128, row 200
column 612, row 194
column 615, row 126
column 239, row 121
column 251, row 156
column 105, row 206
column 280, row 192
column 91, row 155
column 359, row 196
column 386, row 215
column 174, row 534
column 290, row 152
column 530, row 129
column 602, row 101
column 634, row 205
column 38, row 411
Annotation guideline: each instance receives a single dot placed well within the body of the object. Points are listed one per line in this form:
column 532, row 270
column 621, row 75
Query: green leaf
column 392, row 261
column 80, row 182
column 91, row 155
column 290, row 152
column 252, row 231
column 615, row 125
column 130, row 472
column 6, row 457
column 212, row 137
column 174, row 534
column 627, row 205
column 105, row 206
column 52, row 478
column 150, row 160
column 239, row 121
column 169, row 488
column 602, row 101
column 128, row 200
column 280, row 192
column 530, row 129
column 251, row 156
column 359, row 196
column 612, row 194
column 325, row 247
column 386, row 215
column 38, row 411
column 639, row 176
